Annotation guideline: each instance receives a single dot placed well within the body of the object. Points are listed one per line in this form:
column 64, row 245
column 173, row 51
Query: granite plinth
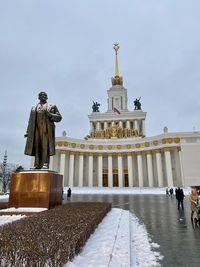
column 36, row 188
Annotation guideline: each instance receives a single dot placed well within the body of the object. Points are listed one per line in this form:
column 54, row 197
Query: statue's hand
column 26, row 135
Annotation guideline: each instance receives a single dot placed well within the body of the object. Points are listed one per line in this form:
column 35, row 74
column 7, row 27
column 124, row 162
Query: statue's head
column 42, row 96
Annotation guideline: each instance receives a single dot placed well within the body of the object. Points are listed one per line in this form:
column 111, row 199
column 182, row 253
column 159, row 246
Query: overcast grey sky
column 65, row 48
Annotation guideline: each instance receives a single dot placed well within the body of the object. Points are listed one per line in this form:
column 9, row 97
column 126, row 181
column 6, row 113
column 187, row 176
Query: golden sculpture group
column 115, row 132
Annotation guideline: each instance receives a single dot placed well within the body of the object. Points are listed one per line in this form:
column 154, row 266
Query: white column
column 71, row 169
column 62, row 163
column 150, row 168
column 120, row 170
column 98, row 126
column 90, row 170
column 130, row 169
column 113, row 123
column 110, row 171
column 80, row 170
column 128, row 124
column 100, row 169
column 91, row 127
column 181, row 165
column 51, row 162
column 140, row 170
column 120, row 124
column 105, row 125
column 135, row 124
column 168, row 164
column 159, row 168
column 143, row 127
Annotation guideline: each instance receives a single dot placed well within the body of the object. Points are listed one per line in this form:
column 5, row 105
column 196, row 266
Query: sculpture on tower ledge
column 95, row 107
column 41, row 132
column 137, row 104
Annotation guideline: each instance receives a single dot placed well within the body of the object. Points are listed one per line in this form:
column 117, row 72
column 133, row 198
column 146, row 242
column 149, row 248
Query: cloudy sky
column 65, row 48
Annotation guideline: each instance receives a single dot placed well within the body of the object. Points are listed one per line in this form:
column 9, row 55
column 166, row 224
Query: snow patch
column 144, row 254
column 23, row 210
column 121, row 191
column 10, row 218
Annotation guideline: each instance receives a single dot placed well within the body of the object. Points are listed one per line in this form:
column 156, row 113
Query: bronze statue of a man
column 41, row 132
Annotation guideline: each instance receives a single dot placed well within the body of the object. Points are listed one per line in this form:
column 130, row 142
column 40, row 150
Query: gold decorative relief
column 110, row 147
column 119, row 146
column 146, row 144
column 138, row 145
column 59, row 143
column 170, row 140
column 128, row 146
column 82, row 146
column 73, row 145
column 91, row 146
column 155, row 142
column 100, row 147
column 62, row 151
column 176, row 140
column 65, row 143
column 114, row 131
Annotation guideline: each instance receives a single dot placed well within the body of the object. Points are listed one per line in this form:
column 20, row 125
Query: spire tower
column 116, row 80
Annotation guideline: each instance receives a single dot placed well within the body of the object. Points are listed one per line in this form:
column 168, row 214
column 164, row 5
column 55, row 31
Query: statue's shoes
column 45, row 167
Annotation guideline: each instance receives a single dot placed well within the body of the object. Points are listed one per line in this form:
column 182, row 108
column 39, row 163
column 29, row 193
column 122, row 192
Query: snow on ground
column 114, row 191
column 122, row 191
column 23, row 210
column 143, row 250
column 10, row 218
column 4, row 197
column 108, row 246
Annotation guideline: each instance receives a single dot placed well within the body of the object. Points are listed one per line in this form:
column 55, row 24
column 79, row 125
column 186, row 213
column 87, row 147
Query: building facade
column 117, row 153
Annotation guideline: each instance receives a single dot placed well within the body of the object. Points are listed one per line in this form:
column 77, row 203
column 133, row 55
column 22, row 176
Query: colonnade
column 145, row 168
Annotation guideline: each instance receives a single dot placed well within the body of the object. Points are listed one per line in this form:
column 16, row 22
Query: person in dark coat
column 40, row 133
column 171, row 191
column 180, row 197
column 69, row 193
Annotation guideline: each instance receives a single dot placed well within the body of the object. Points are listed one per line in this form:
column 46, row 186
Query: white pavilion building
column 117, row 153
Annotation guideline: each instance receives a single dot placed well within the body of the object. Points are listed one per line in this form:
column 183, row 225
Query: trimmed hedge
column 50, row 238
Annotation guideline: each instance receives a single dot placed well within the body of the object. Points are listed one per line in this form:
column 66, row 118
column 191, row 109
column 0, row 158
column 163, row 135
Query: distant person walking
column 180, row 198
column 167, row 192
column 193, row 202
column 171, row 191
column 69, row 193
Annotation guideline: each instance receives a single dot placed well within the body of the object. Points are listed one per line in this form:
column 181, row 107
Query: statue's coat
column 56, row 117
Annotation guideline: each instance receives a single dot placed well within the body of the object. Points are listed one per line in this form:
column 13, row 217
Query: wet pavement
column 178, row 238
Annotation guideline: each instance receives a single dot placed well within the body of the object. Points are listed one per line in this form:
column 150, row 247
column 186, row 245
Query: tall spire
column 116, row 48
column 116, row 80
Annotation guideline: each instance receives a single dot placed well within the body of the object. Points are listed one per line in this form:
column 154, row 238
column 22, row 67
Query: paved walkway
column 179, row 240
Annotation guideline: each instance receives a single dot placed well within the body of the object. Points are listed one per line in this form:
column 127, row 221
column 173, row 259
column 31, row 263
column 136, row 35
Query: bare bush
column 50, row 238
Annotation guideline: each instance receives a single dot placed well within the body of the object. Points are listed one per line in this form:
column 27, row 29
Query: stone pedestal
column 37, row 188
